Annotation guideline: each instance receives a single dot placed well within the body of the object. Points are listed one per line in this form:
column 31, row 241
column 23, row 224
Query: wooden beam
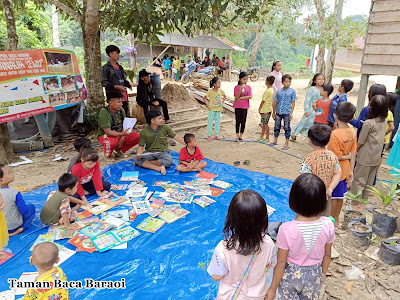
column 385, row 16
column 380, row 70
column 182, row 110
column 362, row 92
column 188, row 121
column 386, row 27
column 199, row 125
column 382, row 59
column 382, row 49
column 383, row 38
column 386, row 5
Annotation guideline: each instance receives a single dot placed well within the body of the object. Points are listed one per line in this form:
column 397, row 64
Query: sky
column 353, row 7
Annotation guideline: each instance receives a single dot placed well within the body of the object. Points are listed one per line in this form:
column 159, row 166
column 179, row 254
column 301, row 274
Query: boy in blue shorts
column 282, row 109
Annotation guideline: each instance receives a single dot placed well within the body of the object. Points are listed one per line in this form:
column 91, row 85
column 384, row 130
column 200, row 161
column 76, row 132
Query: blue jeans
column 286, row 125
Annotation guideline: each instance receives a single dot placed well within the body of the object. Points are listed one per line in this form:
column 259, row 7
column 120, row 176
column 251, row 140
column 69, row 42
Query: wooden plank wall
column 382, row 48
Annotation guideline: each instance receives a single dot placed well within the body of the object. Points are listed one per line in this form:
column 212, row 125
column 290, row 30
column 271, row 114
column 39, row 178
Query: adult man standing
column 113, row 76
column 111, row 134
column 153, row 138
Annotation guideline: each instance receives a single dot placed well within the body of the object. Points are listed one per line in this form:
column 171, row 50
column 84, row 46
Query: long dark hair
column 87, row 153
column 241, row 75
column 274, row 64
column 378, row 108
column 213, row 81
column 376, row 89
column 315, row 79
column 246, row 222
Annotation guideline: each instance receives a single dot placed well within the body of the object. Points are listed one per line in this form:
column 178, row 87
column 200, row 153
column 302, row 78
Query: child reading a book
column 44, row 256
column 3, row 230
column 88, row 172
column 304, row 245
column 57, row 208
column 322, row 162
column 239, row 261
column 18, row 214
column 190, row 157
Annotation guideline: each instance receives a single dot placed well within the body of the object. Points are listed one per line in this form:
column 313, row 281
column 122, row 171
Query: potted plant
column 359, row 235
column 383, row 221
column 351, row 215
column 389, row 251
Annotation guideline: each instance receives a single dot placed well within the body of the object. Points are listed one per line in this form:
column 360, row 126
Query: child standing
column 18, row 214
column 313, row 94
column 370, row 144
column 88, row 172
column 323, row 104
column 44, row 256
column 190, row 157
column 216, row 98
column 3, row 230
column 57, row 207
column 322, row 162
column 345, row 86
column 176, row 64
column 243, row 94
column 282, row 109
column 276, row 73
column 239, row 261
column 265, row 109
column 304, row 245
column 343, row 143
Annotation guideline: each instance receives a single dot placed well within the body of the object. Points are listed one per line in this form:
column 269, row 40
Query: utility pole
column 332, row 53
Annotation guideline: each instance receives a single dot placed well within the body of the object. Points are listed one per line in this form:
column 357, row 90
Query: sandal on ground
column 209, row 139
column 236, row 163
column 109, row 158
column 246, row 162
column 273, row 144
column 217, row 138
column 261, row 140
column 242, row 140
column 285, row 148
column 237, row 140
column 120, row 155
column 293, row 138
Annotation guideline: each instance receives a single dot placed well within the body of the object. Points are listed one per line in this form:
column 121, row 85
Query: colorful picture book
column 173, row 213
column 119, row 187
column 132, row 215
column 206, row 175
column 64, row 253
column 122, row 214
column 49, row 237
column 150, row 224
column 141, row 207
column 216, row 192
column 221, row 184
column 161, row 183
column 9, row 255
column 136, row 193
column 118, row 223
column 26, row 277
column 126, row 234
column 83, row 242
column 129, row 176
column 156, row 203
column 96, row 228
column 113, row 201
column 84, row 214
column 203, row 201
column 85, row 222
column 61, row 232
column 97, row 207
column 105, row 241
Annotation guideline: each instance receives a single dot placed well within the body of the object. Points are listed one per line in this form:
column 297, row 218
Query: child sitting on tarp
column 57, row 207
column 19, row 215
column 190, row 157
column 44, row 256
column 78, row 144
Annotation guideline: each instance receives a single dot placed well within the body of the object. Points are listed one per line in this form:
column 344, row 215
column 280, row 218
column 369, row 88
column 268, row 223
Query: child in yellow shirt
column 265, row 109
column 3, row 230
column 216, row 98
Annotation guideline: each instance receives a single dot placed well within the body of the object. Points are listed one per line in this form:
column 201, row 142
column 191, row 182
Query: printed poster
column 37, row 81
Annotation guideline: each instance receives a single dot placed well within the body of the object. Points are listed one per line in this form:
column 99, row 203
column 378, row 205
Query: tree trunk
column 54, row 23
column 321, row 52
column 6, row 152
column 92, row 55
column 256, row 44
column 332, row 54
column 132, row 55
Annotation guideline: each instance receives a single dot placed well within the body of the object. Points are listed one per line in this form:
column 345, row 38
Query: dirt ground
column 381, row 281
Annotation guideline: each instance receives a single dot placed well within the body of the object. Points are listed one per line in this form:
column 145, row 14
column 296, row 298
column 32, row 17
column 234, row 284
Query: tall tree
column 320, row 58
column 256, row 43
column 6, row 152
column 55, row 26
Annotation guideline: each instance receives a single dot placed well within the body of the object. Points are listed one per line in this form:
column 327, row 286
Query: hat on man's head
column 143, row 73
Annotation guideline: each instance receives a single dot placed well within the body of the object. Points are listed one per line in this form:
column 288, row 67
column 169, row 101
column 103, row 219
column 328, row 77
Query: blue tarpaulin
column 169, row 264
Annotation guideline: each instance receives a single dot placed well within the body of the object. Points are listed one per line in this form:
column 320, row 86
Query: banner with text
column 37, row 81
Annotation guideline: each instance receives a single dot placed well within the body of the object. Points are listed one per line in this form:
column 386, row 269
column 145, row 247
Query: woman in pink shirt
column 240, row 261
column 304, row 245
column 242, row 94
column 276, row 72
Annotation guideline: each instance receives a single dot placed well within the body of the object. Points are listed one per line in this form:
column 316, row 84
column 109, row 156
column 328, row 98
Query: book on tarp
column 151, row 224
column 96, row 228
column 113, row 201
column 85, row 222
column 26, row 277
column 126, row 234
column 83, row 242
column 173, row 214
column 84, row 214
column 49, row 237
column 221, row 184
column 216, row 192
column 203, row 201
column 206, row 175
column 105, row 241
column 9, row 255
column 119, row 187
column 156, row 203
column 117, row 222
column 136, row 193
column 141, row 207
column 129, row 176
column 61, row 232
column 97, row 207
column 122, row 214
column 64, row 253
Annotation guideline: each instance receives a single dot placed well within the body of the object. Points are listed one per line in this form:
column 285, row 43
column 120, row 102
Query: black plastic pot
column 389, row 252
column 384, row 223
column 359, row 234
column 353, row 216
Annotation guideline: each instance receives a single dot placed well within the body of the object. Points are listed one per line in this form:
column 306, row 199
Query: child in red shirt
column 87, row 169
column 190, row 157
column 323, row 105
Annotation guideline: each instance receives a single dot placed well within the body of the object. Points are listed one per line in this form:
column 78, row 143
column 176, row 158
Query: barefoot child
column 239, row 261
column 18, row 214
column 3, row 230
column 44, row 256
column 323, row 104
column 88, row 172
column 190, row 157
column 304, row 245
column 57, row 209
column 216, row 98
column 343, row 143
column 282, row 109
column 265, row 109
column 321, row 162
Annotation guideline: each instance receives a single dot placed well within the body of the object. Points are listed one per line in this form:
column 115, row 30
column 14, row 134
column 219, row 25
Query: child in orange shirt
column 343, row 143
